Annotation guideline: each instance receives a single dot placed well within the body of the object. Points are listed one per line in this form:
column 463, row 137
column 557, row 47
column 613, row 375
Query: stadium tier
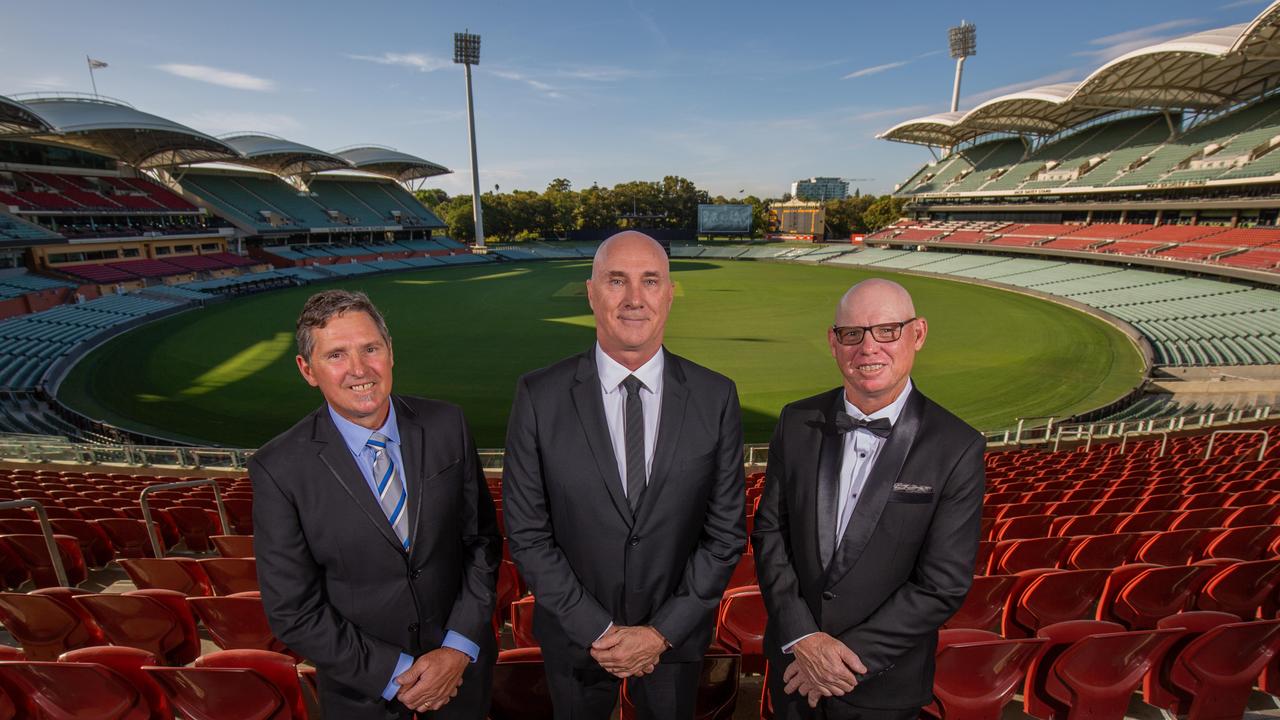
column 50, row 192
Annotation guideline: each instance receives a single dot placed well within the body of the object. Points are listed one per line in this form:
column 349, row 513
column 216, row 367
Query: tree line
column 671, row 203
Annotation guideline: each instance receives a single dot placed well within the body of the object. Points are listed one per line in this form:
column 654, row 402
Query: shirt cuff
column 786, row 649
column 604, row 632
column 457, row 641
column 403, row 664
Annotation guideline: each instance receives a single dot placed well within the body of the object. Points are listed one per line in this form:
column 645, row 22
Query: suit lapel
column 675, row 396
column 590, row 406
column 413, row 452
column 337, row 458
column 866, row 515
column 830, row 454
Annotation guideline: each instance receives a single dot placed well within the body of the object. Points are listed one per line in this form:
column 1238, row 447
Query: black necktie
column 633, row 437
column 847, row 423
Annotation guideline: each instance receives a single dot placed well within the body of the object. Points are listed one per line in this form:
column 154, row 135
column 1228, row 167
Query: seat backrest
column 222, row 693
column 1058, row 597
column 76, row 690
column 126, row 662
column 237, row 622
column 280, row 670
column 983, row 604
column 231, row 575
column 1232, row 650
column 46, row 625
column 233, row 546
column 157, row 621
column 184, row 575
column 1240, row 588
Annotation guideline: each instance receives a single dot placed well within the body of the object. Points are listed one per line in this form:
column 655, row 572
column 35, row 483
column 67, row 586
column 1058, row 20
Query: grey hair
column 323, row 306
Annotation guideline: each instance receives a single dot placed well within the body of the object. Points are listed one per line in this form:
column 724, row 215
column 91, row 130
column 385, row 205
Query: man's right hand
column 823, row 667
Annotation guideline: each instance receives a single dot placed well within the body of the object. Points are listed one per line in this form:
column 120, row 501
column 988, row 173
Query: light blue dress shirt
column 356, row 438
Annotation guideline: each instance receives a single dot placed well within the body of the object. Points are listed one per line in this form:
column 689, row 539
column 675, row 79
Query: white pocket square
column 909, row 488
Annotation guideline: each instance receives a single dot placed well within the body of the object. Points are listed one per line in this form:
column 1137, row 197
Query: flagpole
column 89, row 61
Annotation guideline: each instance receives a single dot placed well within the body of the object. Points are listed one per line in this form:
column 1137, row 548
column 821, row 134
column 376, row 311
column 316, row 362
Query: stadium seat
column 195, row 525
column 1100, row 552
column 74, row 690
column 33, row 552
column 157, row 621
column 47, row 623
column 1012, row 556
column 1211, row 517
column 1240, row 588
column 717, row 687
column 744, row 573
column 1172, row 547
column 183, row 575
column 1144, row 521
column 1137, row 596
column 237, row 622
column 126, row 662
column 1246, row 542
column 12, row 571
column 1058, row 637
column 522, row 622
column 235, row 684
column 1216, row 671
column 1049, row 598
column 1157, row 688
column 508, row 592
column 983, row 604
column 239, row 515
column 95, row 546
column 1094, row 677
column 233, row 546
column 741, row 626
column 977, row 673
column 1086, row 524
column 520, row 690
column 1253, row 515
column 229, row 576
column 1023, row 527
column 128, row 537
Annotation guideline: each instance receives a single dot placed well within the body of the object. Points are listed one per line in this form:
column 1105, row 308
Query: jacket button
column 415, row 574
column 413, row 627
column 635, row 541
column 828, row 595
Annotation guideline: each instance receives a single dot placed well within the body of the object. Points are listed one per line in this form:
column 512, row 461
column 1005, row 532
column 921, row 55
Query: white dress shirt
column 861, row 448
column 612, row 373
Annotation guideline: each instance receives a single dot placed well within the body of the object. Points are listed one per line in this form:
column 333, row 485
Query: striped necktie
column 391, row 495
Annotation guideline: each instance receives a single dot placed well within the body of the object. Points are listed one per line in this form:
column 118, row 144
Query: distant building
column 820, row 188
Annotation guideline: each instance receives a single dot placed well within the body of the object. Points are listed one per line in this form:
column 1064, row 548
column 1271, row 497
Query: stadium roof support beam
column 18, row 119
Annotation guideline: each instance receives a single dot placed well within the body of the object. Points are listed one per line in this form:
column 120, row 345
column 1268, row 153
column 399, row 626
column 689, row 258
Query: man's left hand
column 629, row 651
column 433, row 679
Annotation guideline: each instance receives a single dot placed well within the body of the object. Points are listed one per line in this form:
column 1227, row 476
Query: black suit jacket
column 338, row 587
column 906, row 558
column 588, row 561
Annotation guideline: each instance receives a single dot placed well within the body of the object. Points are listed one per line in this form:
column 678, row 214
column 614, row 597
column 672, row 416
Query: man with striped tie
column 375, row 535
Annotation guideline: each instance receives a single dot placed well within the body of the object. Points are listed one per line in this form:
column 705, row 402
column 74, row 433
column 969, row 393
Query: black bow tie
column 847, row 423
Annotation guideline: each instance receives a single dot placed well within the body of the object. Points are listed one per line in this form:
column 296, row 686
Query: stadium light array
column 964, row 43
column 466, row 52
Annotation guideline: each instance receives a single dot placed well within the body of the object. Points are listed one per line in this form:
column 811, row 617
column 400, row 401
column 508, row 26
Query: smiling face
column 630, row 293
column 875, row 373
column 351, row 364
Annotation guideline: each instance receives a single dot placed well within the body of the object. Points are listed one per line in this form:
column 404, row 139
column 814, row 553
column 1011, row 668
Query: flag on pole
column 96, row 64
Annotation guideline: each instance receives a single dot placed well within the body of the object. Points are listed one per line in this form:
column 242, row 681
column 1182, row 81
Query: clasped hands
column 823, row 667
column 629, row 651
column 432, row 680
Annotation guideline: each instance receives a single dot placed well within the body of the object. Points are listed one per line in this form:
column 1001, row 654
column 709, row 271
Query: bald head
column 885, row 296
column 629, row 242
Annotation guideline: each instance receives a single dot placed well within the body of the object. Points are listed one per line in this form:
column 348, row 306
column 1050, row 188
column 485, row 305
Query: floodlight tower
column 964, row 43
column 466, row 52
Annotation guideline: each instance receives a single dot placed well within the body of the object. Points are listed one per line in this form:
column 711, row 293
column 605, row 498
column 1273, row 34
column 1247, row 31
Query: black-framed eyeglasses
column 882, row 333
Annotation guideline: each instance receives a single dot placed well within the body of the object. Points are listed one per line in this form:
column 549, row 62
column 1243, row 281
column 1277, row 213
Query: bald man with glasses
column 867, row 532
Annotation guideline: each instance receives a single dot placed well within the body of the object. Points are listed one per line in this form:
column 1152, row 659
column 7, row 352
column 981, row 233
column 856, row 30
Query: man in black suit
column 375, row 535
column 867, row 531
column 623, row 495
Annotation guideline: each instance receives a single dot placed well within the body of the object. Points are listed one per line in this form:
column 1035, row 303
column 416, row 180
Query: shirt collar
column 612, row 372
column 890, row 411
column 356, row 436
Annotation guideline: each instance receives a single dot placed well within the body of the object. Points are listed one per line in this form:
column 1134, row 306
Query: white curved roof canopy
column 390, row 163
column 117, row 130
column 282, row 157
column 1204, row 71
column 18, row 119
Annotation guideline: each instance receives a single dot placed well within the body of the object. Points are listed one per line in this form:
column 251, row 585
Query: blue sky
column 735, row 96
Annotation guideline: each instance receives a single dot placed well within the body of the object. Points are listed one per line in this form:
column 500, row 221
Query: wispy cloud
column 545, row 88
column 877, row 69
column 218, row 122
column 1061, row 76
column 896, row 112
column 217, row 76
column 1110, row 47
column 1241, row 3
column 416, row 61
column 604, row 73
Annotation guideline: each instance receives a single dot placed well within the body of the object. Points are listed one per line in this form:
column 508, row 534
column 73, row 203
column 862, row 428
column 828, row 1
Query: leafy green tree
column 884, row 211
column 431, row 197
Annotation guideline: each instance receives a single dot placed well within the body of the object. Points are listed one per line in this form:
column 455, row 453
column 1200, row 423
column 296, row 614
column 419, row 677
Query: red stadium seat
column 741, row 626
column 1024, row 527
column 1095, row 676
column 47, row 623
column 33, row 551
column 1216, row 671
column 520, row 690
column 1162, row 501
column 1211, row 517
column 1172, row 547
column 984, row 604
column 1137, row 596
column 1144, row 521
column 1206, row 500
column 128, row 536
column 1086, row 524
column 235, row 684
column 239, row 514
column 157, row 621
column 977, row 673
column 522, row 622
column 196, row 525
column 1240, row 588
column 1247, row 542
column 75, row 690
column 183, row 575
column 1051, row 597
column 229, row 576
column 1157, row 687
column 1100, row 552
column 233, row 546
column 95, row 546
column 717, row 687
column 237, row 622
column 1253, row 515
column 1012, row 556
column 126, row 662
column 12, row 570
column 1058, row 637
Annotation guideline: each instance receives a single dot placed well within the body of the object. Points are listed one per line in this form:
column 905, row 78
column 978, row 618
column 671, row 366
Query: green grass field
column 226, row 374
